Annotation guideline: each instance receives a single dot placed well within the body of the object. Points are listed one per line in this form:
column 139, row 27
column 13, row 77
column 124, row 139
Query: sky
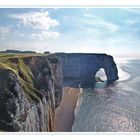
column 115, row 31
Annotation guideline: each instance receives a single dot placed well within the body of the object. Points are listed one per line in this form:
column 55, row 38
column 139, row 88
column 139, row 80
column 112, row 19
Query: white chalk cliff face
column 81, row 68
column 31, row 87
column 29, row 96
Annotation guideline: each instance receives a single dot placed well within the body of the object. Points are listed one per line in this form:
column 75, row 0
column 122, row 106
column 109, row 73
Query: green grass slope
column 15, row 63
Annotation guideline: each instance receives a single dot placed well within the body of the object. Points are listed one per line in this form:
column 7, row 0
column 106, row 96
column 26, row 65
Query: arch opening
column 101, row 78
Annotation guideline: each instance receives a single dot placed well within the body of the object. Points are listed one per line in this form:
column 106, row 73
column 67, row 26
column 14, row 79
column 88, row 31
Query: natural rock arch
column 81, row 68
column 100, row 75
column 100, row 79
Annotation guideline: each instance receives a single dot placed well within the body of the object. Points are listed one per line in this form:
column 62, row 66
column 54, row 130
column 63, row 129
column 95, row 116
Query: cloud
column 99, row 22
column 132, row 21
column 132, row 10
column 3, row 32
column 41, row 21
column 45, row 35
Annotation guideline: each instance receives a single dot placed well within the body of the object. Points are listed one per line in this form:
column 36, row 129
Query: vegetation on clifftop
column 15, row 63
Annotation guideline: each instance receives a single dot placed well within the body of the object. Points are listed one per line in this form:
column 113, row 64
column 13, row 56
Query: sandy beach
column 65, row 112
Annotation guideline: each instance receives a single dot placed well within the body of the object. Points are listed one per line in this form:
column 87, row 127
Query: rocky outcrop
column 31, row 86
column 30, row 90
column 82, row 67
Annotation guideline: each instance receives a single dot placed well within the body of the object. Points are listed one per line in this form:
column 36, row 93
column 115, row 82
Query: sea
column 115, row 108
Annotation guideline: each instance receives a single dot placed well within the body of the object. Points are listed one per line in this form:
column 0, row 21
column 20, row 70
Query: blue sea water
column 112, row 109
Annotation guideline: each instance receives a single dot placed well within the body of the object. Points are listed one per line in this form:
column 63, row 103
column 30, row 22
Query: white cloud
column 45, row 35
column 101, row 23
column 132, row 10
column 3, row 32
column 131, row 21
column 108, row 25
column 39, row 20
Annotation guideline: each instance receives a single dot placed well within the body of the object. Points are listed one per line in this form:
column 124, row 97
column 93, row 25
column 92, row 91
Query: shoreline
column 65, row 112
column 71, row 103
column 78, row 104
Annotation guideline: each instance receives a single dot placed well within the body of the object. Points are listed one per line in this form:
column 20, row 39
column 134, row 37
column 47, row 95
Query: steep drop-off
column 30, row 90
column 81, row 68
column 31, row 85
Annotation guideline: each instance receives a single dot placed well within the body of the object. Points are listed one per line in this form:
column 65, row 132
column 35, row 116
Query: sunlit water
column 114, row 108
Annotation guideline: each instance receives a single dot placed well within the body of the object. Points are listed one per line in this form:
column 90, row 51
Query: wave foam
column 122, row 74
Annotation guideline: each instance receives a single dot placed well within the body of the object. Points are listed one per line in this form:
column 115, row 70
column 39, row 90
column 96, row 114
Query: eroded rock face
column 17, row 111
column 30, row 93
column 81, row 68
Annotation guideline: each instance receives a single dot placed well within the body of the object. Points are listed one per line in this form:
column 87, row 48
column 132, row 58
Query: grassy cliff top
column 16, row 64
column 19, row 55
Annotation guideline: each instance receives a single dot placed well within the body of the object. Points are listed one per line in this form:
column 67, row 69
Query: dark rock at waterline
column 98, row 79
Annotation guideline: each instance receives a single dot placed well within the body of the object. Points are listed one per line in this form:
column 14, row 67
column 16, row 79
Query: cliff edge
column 31, row 85
column 30, row 90
column 81, row 68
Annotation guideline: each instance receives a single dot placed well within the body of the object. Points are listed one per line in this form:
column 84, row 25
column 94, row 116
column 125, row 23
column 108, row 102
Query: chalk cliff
column 30, row 90
column 31, row 85
column 80, row 68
